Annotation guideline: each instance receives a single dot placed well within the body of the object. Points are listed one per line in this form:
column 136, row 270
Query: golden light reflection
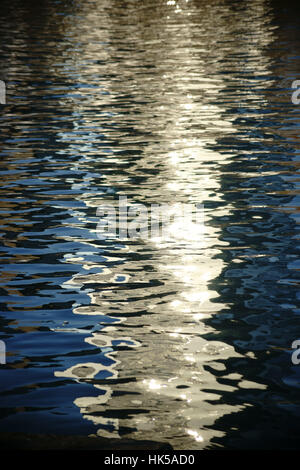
column 195, row 435
column 153, row 384
column 180, row 104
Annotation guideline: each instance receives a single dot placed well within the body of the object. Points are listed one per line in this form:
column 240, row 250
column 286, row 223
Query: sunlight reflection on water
column 172, row 338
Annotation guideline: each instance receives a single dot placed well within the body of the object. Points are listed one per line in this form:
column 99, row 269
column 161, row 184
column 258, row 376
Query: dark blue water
column 165, row 102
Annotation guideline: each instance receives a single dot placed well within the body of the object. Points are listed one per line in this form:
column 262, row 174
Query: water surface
column 165, row 102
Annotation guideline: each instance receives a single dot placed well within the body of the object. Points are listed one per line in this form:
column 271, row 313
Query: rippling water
column 179, row 101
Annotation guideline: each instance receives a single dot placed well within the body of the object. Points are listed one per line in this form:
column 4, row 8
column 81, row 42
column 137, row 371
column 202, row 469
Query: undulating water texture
column 185, row 340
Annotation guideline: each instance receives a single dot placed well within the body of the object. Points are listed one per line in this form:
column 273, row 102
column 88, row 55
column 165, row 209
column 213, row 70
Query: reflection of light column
column 178, row 104
column 192, row 171
column 192, row 263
